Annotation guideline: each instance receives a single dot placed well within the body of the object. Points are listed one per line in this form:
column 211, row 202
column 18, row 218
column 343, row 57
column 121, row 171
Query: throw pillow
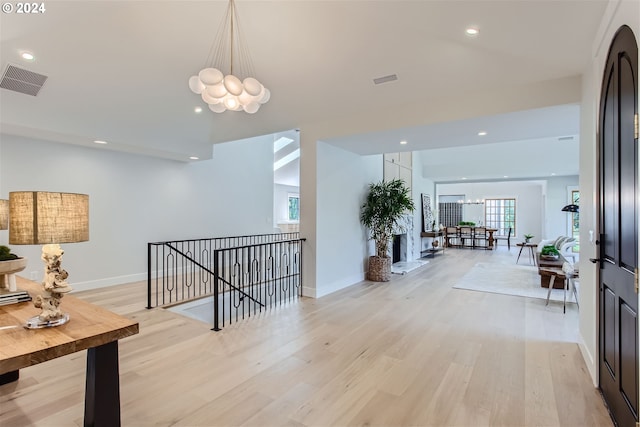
column 559, row 241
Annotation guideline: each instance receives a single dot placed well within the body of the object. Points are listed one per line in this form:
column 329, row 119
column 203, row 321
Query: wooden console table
column 91, row 328
column 439, row 235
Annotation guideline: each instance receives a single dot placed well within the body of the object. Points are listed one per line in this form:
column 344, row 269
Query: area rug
column 508, row 279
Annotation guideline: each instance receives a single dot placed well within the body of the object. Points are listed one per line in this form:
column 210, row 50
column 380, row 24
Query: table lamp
column 37, row 217
column 4, row 214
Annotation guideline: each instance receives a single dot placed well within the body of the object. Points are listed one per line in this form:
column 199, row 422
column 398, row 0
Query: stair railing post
column 216, row 291
column 149, row 275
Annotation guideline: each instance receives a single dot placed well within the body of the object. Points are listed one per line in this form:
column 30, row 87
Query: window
column 500, row 214
column 575, row 220
column 294, row 207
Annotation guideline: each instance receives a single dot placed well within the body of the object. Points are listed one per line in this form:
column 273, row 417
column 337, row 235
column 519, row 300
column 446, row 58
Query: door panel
column 629, row 356
column 608, row 318
column 628, row 224
column 608, row 183
column 618, row 301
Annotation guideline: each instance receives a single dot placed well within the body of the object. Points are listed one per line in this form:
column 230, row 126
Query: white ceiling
column 118, row 70
column 523, row 144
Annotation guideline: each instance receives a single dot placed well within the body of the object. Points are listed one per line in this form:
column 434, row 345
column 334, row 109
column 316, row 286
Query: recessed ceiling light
column 28, row 56
column 472, row 32
column 198, row 110
column 463, row 177
column 97, row 141
column 506, row 176
column 482, row 133
column 403, row 142
column 553, row 174
column 194, row 158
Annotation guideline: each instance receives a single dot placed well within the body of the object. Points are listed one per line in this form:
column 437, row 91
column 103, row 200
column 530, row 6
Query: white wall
column 342, row 249
column 557, row 222
column 421, row 185
column 529, row 202
column 134, row 200
column 281, row 202
column 618, row 13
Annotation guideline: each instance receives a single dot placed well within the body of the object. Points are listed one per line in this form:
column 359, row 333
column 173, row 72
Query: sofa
column 563, row 244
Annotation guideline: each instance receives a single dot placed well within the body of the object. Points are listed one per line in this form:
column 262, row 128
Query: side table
column 532, row 252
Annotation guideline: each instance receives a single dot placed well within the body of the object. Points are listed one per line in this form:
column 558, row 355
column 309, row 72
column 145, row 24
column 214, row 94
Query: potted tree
column 385, row 204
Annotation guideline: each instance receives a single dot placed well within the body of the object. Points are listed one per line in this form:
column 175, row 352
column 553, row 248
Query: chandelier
column 236, row 91
column 470, row 202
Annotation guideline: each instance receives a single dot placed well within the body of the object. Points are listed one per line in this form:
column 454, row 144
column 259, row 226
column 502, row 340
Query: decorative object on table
column 528, row 237
column 10, row 264
column 549, row 252
column 385, row 205
column 13, row 297
column 38, row 217
column 6, row 255
column 467, row 223
column 427, row 213
column 4, row 214
column 229, row 92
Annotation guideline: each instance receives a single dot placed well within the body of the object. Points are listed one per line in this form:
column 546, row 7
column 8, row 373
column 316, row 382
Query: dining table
column 489, row 231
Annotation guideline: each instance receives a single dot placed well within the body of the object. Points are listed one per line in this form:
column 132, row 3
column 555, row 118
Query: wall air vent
column 20, row 80
column 565, row 138
column 385, row 79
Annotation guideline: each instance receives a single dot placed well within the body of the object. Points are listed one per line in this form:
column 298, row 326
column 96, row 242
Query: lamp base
column 37, row 323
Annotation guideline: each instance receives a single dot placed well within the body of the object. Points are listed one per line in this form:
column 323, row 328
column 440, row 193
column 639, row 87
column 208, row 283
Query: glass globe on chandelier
column 235, row 92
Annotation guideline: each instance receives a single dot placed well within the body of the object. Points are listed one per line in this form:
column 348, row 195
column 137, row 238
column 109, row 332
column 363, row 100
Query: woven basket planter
column 379, row 269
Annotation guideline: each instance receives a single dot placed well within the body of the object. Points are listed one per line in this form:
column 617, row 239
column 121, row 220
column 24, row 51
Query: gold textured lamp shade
column 4, row 214
column 38, row 217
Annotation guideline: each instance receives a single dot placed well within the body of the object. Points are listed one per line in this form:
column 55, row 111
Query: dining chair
column 507, row 238
column 466, row 236
column 451, row 234
column 480, row 238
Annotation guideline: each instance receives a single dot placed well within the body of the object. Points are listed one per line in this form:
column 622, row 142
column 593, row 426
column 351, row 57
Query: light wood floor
column 409, row 352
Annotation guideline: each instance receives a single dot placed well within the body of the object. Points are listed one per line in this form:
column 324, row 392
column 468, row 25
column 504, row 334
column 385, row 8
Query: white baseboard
column 109, row 281
column 589, row 361
column 330, row 288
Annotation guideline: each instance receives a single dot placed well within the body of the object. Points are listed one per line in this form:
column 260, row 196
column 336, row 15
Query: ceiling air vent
column 21, row 80
column 385, row 79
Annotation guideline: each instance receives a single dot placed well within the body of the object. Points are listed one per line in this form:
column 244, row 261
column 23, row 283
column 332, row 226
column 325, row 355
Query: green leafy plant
column 529, row 236
column 549, row 250
column 386, row 203
column 467, row 223
column 5, row 254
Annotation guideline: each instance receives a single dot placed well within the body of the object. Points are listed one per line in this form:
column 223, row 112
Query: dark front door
column 618, row 302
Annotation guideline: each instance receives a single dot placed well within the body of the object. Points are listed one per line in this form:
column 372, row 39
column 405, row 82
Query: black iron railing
column 244, row 274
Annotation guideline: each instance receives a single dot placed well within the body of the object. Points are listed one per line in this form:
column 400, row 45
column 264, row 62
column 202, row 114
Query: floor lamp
column 571, row 208
column 44, row 218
